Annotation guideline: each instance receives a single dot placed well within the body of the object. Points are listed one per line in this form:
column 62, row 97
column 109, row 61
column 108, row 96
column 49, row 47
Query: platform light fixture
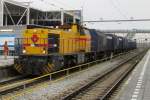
column 6, row 30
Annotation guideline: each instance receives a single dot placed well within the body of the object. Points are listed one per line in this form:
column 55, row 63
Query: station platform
column 6, row 62
column 137, row 87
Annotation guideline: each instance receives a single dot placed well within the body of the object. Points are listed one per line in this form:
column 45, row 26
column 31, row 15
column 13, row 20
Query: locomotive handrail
column 76, row 66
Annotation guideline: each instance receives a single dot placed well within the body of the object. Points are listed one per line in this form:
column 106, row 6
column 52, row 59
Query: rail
column 110, row 91
column 107, row 94
column 24, row 84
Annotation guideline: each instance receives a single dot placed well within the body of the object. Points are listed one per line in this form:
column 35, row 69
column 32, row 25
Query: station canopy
column 42, row 12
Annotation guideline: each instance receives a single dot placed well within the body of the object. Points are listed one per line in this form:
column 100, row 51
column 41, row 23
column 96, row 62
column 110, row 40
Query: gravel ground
column 53, row 90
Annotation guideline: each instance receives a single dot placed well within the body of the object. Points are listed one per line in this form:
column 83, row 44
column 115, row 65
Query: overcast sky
column 104, row 9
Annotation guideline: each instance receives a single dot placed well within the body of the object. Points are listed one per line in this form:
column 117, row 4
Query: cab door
column 53, row 41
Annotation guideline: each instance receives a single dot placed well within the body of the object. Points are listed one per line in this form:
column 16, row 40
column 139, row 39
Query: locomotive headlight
column 23, row 51
column 44, row 52
column 55, row 45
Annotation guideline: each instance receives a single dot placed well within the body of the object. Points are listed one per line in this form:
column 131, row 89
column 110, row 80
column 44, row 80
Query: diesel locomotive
column 44, row 50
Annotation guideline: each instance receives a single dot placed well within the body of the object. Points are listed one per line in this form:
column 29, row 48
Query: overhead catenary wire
column 120, row 20
column 124, row 10
column 118, row 9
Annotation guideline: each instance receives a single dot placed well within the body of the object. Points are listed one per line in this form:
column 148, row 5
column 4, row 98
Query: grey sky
column 106, row 9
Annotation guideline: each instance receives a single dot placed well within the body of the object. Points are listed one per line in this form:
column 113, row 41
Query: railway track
column 22, row 84
column 101, row 87
column 13, row 84
column 12, row 80
column 7, row 73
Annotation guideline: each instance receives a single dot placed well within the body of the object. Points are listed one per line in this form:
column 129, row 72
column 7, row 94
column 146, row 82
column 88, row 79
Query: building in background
column 18, row 13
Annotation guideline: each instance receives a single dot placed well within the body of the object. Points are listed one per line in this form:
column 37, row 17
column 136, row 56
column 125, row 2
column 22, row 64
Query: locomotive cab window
column 82, row 32
column 86, row 31
column 53, row 43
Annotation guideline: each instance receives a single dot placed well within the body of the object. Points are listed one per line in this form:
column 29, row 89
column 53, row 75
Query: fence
column 11, row 53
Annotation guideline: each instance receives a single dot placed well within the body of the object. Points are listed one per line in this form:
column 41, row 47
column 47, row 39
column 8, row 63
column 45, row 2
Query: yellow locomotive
column 44, row 50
